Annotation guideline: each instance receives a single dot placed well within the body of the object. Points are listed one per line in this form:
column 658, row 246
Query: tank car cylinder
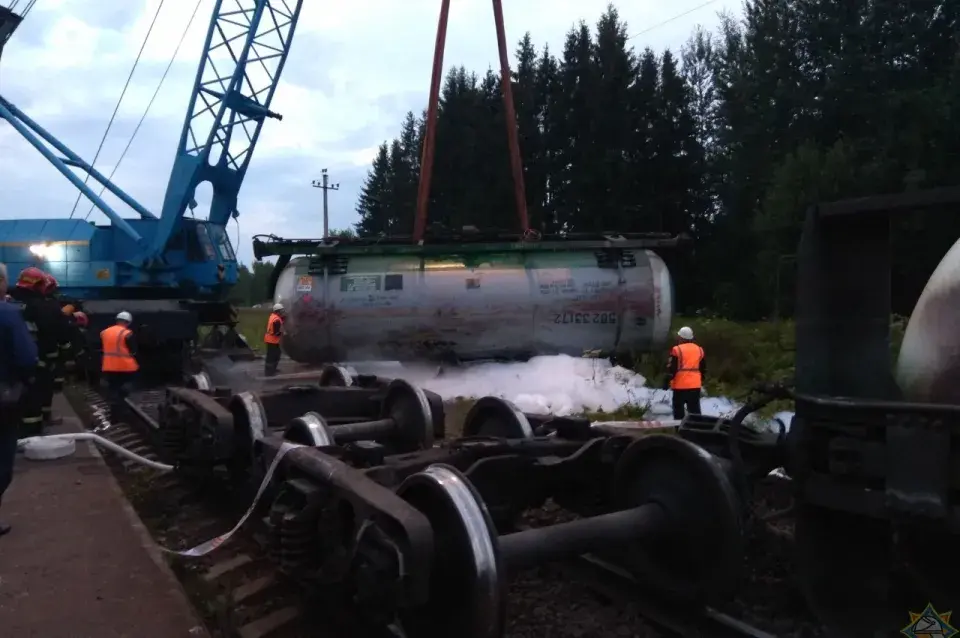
column 533, row 547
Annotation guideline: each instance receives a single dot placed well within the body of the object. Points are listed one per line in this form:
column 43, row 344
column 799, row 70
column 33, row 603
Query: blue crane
column 155, row 265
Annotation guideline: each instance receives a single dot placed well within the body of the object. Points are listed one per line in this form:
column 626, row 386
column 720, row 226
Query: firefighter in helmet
column 27, row 292
column 58, row 336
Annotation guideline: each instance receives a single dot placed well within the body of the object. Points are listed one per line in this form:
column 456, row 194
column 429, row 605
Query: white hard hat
column 125, row 316
column 685, row 332
column 277, row 306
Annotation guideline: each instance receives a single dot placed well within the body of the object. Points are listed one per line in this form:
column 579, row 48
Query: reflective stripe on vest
column 116, row 354
column 267, row 336
column 689, row 356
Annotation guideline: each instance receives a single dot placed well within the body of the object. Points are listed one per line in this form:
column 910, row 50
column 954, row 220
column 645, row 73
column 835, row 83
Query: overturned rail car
column 471, row 297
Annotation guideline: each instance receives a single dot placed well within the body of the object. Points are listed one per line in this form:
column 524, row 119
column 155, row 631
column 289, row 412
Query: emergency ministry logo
column 930, row 624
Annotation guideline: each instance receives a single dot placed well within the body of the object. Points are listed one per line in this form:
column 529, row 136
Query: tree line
column 727, row 140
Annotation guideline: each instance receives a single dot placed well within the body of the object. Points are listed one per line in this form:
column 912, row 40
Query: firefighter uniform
column 271, row 337
column 51, row 288
column 52, row 333
column 27, row 294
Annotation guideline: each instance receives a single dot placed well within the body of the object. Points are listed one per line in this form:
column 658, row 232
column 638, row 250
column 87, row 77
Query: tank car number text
column 585, row 317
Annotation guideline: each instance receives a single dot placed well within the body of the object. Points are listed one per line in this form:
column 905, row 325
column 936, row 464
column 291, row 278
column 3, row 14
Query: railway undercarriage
column 373, row 502
column 412, row 525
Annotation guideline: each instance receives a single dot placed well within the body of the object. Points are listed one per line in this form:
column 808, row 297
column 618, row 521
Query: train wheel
column 334, row 375
column 700, row 557
column 499, row 418
column 250, row 426
column 409, row 407
column 199, row 381
column 467, row 590
column 310, row 429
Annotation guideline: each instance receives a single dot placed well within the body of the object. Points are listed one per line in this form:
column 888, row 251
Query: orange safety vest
column 689, row 356
column 116, row 355
column 269, row 337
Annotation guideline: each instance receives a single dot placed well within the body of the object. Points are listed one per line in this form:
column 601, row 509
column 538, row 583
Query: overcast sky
column 355, row 68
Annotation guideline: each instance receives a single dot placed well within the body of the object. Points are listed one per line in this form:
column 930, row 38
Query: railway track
column 237, row 589
column 669, row 617
column 242, row 594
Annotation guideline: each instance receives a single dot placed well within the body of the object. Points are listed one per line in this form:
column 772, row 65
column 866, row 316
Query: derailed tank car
column 369, row 300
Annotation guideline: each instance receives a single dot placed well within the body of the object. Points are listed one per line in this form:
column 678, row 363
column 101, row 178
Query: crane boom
column 218, row 149
column 245, row 50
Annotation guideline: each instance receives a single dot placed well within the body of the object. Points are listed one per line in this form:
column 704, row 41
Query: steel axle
column 679, row 528
column 532, row 547
column 407, row 423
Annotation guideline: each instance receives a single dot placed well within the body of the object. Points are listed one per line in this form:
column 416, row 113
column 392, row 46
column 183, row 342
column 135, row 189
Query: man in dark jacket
column 18, row 362
column 53, row 336
column 27, row 297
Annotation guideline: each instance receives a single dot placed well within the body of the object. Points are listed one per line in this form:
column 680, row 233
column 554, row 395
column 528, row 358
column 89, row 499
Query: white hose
column 102, row 442
column 205, row 547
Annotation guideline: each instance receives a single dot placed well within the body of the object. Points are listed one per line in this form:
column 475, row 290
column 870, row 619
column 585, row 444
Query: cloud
column 354, row 70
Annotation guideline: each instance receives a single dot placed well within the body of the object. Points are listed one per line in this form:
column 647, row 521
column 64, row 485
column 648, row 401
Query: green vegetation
column 253, row 324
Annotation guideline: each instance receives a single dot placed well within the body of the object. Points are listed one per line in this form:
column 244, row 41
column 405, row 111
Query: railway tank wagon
column 480, row 302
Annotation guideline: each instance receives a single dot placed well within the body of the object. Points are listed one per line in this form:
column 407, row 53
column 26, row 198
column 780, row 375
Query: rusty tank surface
column 929, row 361
column 469, row 302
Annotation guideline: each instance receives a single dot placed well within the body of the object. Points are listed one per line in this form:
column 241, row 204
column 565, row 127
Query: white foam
column 560, row 385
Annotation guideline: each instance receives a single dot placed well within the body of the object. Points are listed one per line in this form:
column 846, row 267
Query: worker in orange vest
column 686, row 369
column 272, row 338
column 119, row 368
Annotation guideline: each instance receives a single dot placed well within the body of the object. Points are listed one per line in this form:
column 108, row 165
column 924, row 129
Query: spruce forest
column 727, row 139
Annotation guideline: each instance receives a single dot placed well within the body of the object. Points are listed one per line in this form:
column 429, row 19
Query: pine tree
column 550, row 117
column 577, row 86
column 645, row 215
column 614, row 74
column 372, row 207
column 528, row 102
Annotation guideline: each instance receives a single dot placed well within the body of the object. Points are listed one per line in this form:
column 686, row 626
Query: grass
column 253, row 324
column 739, row 355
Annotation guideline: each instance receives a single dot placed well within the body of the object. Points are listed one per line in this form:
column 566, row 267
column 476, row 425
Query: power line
column 143, row 117
column 117, row 107
column 674, row 18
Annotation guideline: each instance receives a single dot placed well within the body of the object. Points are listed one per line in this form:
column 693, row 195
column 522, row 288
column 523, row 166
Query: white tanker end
column 409, row 307
column 929, row 363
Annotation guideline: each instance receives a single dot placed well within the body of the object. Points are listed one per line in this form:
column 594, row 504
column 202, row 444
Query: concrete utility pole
column 325, row 184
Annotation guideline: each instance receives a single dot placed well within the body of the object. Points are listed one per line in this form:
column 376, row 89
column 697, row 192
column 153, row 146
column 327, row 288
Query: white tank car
column 484, row 305
column 928, row 367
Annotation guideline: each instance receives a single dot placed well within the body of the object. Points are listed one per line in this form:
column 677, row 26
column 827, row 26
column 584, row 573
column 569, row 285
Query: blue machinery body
column 167, row 262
